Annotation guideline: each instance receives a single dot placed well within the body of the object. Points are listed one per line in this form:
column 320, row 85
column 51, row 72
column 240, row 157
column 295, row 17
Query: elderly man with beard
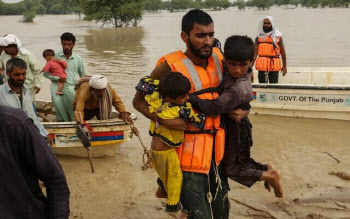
column 204, row 190
column 95, row 97
column 14, row 93
column 269, row 47
column 13, row 48
column 63, row 104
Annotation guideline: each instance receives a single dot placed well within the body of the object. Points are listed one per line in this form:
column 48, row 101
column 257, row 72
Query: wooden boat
column 309, row 93
column 105, row 137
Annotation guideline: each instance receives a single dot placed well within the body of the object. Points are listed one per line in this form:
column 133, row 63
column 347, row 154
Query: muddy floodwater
column 310, row 153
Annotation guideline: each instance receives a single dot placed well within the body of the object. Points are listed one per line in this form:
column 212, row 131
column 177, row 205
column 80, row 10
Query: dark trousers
column 89, row 114
column 273, row 77
column 195, row 188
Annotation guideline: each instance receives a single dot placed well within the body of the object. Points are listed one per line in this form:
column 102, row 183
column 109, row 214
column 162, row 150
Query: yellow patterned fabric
column 174, row 138
column 166, row 164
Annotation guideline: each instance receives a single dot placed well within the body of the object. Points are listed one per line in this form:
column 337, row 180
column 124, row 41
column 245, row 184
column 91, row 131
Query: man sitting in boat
column 14, row 93
column 95, row 97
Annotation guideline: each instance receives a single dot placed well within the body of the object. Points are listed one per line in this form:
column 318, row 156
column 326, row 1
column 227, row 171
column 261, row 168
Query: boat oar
column 146, row 153
column 84, row 136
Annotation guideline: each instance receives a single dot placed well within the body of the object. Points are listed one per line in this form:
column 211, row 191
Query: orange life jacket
column 195, row 154
column 268, row 54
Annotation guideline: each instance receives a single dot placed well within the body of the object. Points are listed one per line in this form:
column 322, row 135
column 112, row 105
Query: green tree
column 153, row 5
column 295, row 2
column 118, row 12
column 240, row 4
column 263, row 4
column 178, row 5
column 40, row 9
column 29, row 16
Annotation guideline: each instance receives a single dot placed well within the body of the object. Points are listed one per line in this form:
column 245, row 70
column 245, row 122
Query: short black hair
column 48, row 52
column 239, row 48
column 195, row 16
column 15, row 63
column 173, row 85
column 68, row 36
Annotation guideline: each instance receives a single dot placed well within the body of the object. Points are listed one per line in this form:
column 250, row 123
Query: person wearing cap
column 13, row 48
column 269, row 47
column 95, row 97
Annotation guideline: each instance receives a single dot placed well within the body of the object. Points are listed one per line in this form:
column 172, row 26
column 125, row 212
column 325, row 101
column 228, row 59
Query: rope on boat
column 146, row 157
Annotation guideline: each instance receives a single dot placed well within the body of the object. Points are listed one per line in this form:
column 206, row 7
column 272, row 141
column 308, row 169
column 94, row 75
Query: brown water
column 313, row 37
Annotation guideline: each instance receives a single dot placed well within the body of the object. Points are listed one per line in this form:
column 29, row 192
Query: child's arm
column 189, row 116
column 46, row 67
column 227, row 101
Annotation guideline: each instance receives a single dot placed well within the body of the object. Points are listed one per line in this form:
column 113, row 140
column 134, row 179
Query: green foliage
column 40, row 9
column 263, row 4
column 29, row 16
column 118, row 12
column 240, row 4
column 153, row 5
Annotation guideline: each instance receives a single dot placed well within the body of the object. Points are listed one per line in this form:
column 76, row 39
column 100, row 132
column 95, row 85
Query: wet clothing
column 11, row 99
column 236, row 93
column 272, row 77
column 63, row 104
column 34, row 78
column 166, row 164
column 195, row 187
column 25, row 159
column 86, row 102
column 56, row 68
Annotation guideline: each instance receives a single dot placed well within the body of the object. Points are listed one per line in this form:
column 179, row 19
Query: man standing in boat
column 2, row 72
column 95, row 97
column 26, row 159
column 269, row 47
column 63, row 104
column 202, row 151
column 14, row 93
column 13, row 48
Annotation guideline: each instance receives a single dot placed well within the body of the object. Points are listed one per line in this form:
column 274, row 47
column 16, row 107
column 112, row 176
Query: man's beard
column 197, row 52
column 14, row 83
column 267, row 29
column 67, row 51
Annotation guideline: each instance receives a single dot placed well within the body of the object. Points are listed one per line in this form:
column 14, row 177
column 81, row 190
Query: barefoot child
column 56, row 68
column 167, row 98
column 237, row 93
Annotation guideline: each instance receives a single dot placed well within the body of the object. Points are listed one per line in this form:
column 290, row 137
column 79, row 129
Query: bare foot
column 161, row 193
column 178, row 215
column 267, row 186
column 275, row 183
column 59, row 93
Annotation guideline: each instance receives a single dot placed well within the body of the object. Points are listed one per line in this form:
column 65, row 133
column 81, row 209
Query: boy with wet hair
column 167, row 98
column 237, row 93
column 55, row 67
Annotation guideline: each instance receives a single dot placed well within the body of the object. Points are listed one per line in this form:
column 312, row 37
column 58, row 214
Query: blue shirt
column 9, row 98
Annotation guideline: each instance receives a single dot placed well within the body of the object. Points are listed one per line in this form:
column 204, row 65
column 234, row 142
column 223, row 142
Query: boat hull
column 106, row 135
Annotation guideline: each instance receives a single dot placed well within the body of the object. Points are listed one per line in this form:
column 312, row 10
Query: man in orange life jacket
column 204, row 192
column 268, row 48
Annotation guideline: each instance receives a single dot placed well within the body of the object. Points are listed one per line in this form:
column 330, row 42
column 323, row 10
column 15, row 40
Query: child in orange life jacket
column 237, row 93
column 56, row 68
column 167, row 98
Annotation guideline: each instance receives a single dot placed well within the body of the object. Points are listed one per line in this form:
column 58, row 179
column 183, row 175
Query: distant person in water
column 269, row 47
column 56, row 68
column 237, row 93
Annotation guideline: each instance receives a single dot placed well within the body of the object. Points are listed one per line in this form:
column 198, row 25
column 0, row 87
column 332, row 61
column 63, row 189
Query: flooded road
column 119, row 189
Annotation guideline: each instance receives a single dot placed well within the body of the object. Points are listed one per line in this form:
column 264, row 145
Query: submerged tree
column 117, row 12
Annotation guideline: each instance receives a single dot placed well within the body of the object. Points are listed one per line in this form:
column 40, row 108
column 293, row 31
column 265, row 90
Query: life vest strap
column 206, row 131
column 206, row 90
